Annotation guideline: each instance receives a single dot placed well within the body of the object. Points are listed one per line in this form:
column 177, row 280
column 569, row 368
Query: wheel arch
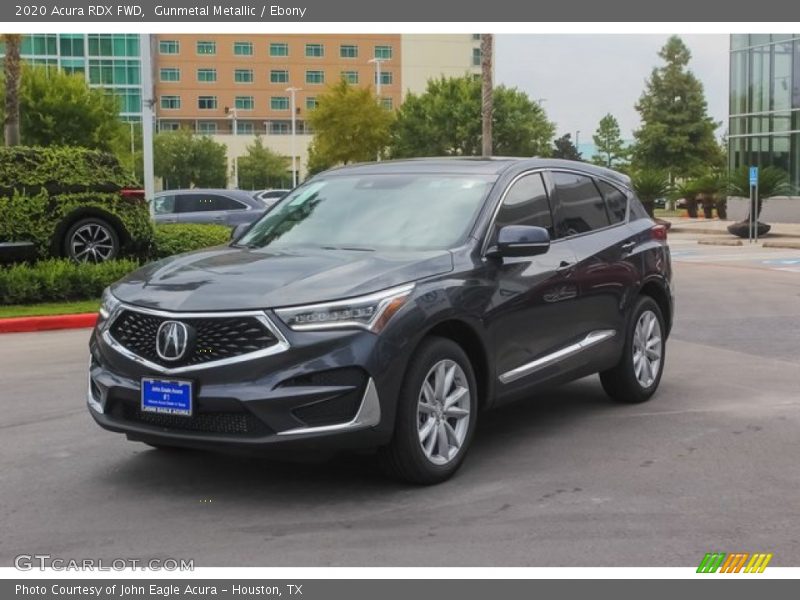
column 58, row 242
column 656, row 289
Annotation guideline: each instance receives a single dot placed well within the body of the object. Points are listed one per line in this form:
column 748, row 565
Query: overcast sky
column 583, row 77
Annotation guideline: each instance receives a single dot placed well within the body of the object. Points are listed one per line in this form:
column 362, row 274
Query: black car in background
column 215, row 206
column 386, row 306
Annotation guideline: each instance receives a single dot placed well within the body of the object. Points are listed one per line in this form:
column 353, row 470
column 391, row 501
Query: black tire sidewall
column 91, row 221
column 406, row 439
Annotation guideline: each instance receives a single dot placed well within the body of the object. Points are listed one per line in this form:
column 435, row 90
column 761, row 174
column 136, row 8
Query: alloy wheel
column 92, row 243
column 647, row 349
column 443, row 410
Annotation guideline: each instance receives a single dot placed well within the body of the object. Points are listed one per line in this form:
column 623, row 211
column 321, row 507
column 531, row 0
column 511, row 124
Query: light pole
column 293, row 91
column 232, row 116
column 578, row 141
column 377, row 62
column 148, row 117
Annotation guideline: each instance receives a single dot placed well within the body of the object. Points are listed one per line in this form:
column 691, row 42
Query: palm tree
column 486, row 93
column 772, row 182
column 13, row 42
column 650, row 185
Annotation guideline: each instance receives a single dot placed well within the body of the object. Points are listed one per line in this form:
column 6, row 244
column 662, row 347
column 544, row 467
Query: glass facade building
column 764, row 128
column 108, row 61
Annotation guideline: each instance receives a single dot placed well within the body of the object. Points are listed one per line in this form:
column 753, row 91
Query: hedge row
column 57, row 280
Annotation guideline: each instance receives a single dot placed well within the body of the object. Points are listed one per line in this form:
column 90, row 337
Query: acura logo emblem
column 172, row 340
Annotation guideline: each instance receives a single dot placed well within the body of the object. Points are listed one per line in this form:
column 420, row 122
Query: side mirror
column 522, row 240
column 239, row 230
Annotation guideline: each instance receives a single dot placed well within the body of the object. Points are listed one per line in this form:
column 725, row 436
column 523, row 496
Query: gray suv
column 223, row 207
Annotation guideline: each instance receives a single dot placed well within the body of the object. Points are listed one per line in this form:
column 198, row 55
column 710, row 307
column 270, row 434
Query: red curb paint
column 22, row 324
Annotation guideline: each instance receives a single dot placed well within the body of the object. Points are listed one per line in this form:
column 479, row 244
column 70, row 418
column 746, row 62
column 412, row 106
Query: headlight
column 108, row 304
column 370, row 312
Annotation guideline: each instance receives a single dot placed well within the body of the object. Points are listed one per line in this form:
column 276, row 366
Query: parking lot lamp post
column 377, row 62
column 293, row 91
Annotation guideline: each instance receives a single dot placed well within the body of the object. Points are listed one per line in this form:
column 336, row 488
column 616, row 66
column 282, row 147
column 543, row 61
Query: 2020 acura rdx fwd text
column 385, row 306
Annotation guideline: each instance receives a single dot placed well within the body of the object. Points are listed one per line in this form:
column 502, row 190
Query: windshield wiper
column 354, row 248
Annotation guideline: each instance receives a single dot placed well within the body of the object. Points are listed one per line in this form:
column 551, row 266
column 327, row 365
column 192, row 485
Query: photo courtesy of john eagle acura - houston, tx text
column 385, row 306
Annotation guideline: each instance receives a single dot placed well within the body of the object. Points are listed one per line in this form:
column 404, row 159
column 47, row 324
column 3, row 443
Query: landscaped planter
column 780, row 209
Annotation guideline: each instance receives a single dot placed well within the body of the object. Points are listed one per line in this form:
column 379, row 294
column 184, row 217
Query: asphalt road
column 567, row 479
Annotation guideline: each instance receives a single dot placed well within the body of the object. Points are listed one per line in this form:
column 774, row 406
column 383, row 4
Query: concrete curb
column 47, row 323
column 722, row 242
column 788, row 244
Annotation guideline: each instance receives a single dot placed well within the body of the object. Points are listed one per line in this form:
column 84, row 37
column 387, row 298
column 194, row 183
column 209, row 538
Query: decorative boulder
column 740, row 229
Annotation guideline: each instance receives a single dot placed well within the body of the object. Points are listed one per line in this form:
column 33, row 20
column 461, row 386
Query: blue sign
column 753, row 176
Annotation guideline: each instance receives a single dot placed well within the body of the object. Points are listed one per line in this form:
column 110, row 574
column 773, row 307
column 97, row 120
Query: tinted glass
column 206, row 202
column 616, row 201
column 526, row 204
column 164, row 205
column 581, row 207
column 391, row 212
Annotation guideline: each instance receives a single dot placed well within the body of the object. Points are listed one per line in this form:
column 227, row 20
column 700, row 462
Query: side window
column 206, row 203
column 581, row 207
column 616, row 202
column 525, row 204
column 637, row 210
column 164, row 205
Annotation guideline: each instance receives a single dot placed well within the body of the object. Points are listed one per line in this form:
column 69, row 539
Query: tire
column 625, row 382
column 91, row 240
column 450, row 430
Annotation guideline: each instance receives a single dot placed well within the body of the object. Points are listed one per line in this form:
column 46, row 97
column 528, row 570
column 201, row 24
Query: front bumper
column 323, row 390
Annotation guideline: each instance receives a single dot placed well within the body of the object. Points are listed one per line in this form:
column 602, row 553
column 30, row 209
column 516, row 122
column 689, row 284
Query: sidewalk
column 782, row 235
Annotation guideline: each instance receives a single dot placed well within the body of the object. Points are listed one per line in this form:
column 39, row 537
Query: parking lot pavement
column 566, row 479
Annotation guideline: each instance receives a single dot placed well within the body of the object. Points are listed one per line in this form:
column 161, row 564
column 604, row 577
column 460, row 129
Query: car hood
column 227, row 278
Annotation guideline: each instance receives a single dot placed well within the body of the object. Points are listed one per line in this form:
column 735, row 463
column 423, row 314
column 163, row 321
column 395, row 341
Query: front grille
column 215, row 338
column 225, row 423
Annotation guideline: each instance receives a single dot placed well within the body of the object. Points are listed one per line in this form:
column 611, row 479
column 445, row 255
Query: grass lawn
column 49, row 308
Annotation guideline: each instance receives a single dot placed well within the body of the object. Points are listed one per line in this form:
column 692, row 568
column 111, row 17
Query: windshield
column 369, row 212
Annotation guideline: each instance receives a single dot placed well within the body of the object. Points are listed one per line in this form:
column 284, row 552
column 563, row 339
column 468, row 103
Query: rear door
column 591, row 213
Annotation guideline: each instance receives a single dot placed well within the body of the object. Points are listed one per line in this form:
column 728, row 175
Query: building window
column 206, row 75
column 311, row 103
column 350, row 77
column 279, row 76
column 170, row 102
column 117, row 44
column 383, row 52
column 41, row 44
column 244, row 103
column 207, row 127
column 168, row 126
column 243, row 48
column 386, row 78
column 387, row 103
column 348, row 51
column 245, row 128
column 207, row 102
column 279, row 103
column 168, row 74
column 71, row 44
column 476, row 57
column 315, row 50
column 243, row 75
column 207, row 48
column 114, row 72
column 315, row 77
column 169, row 47
column 476, row 36
column 280, row 127
column 279, row 49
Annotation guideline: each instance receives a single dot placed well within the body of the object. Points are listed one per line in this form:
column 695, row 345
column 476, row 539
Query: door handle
column 628, row 246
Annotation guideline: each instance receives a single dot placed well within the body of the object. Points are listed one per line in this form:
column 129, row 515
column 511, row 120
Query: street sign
column 753, row 176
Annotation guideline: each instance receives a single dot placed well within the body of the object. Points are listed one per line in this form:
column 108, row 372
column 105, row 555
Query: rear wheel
column 637, row 375
column 91, row 240
column 436, row 414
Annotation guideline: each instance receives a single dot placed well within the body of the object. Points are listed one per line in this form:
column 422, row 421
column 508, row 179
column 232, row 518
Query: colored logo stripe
column 734, row 563
column 711, row 562
column 758, row 563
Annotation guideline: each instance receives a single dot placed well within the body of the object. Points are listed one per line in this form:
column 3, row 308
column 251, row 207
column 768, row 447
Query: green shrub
column 44, row 190
column 183, row 237
column 59, row 280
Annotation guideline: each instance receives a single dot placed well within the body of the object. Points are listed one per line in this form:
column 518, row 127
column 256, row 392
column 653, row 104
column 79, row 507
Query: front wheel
column 637, row 375
column 436, row 414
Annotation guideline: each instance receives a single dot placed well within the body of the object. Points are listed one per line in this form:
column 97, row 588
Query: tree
column 445, row 120
column 487, row 98
column 186, row 160
column 611, row 150
column 676, row 135
column 650, row 185
column 564, row 148
column 12, row 79
column 262, row 168
column 59, row 109
column 349, row 126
